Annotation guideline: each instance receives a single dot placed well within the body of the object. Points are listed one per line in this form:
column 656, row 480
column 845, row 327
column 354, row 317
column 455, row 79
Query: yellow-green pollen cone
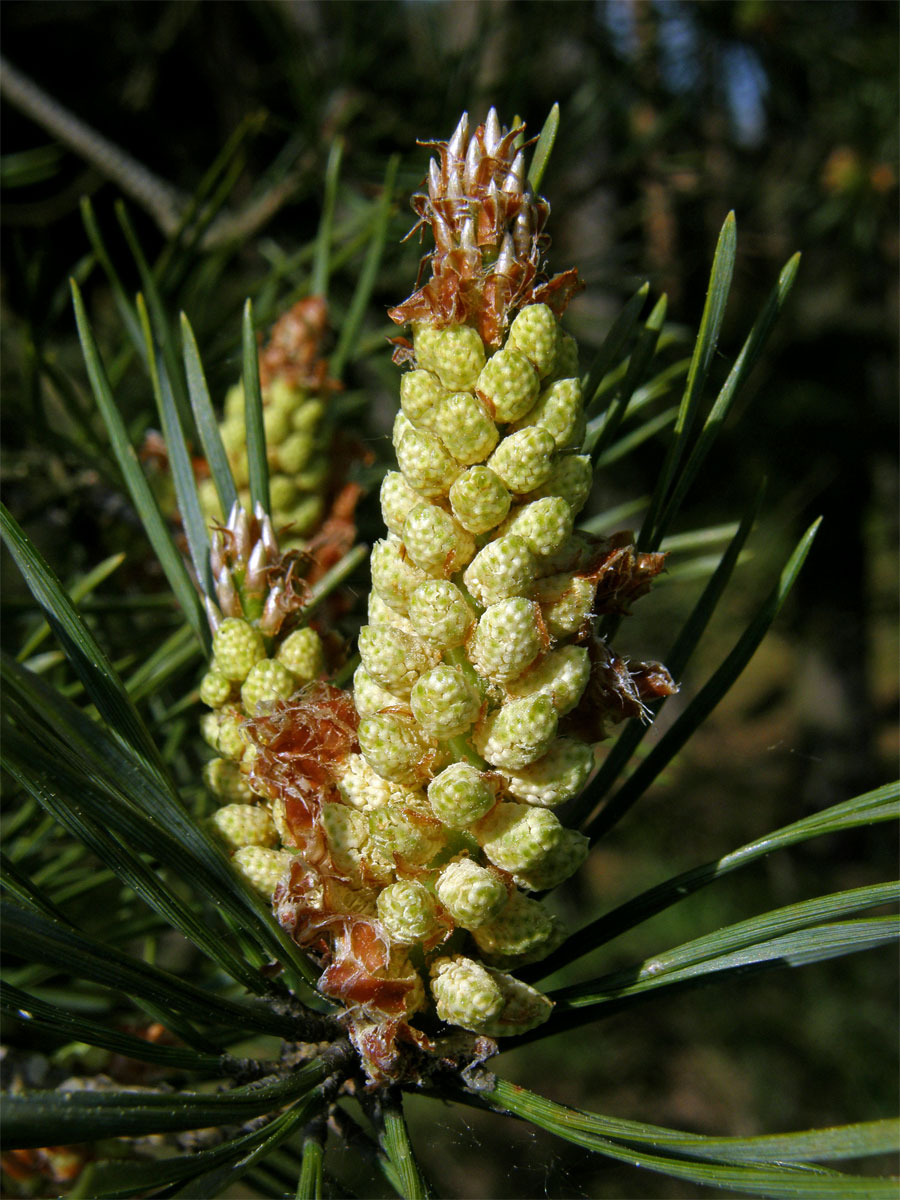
column 464, row 685
column 299, row 428
column 420, row 837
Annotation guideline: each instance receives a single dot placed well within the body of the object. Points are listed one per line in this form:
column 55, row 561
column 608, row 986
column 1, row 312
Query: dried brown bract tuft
column 294, row 349
column 622, row 573
column 618, row 688
column 488, row 228
column 299, row 741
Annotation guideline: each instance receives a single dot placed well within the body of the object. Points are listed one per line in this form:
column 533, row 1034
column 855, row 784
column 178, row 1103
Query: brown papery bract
column 488, row 228
column 622, row 573
column 294, row 349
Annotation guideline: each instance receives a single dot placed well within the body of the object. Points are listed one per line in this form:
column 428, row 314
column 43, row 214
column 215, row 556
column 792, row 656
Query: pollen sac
column 266, row 682
column 420, row 394
column 402, row 424
column 440, row 614
column 306, row 416
column 276, row 422
column 382, row 614
column 536, row 334
column 262, row 868
column 347, row 832
column 215, row 689
column 567, row 559
column 314, row 475
column 479, row 499
column 397, row 499
column 305, row 515
column 370, row 697
column 363, row 788
column 518, row 733
column 301, row 652
column 507, row 639
column 566, row 602
column 559, row 410
column 435, row 541
column 402, row 968
column 504, row 567
column 278, row 813
column 566, row 357
column 471, row 893
column 524, row 1008
column 407, row 911
column 209, row 729
column 562, row 675
column 395, row 746
column 392, row 658
column 563, row 861
column 555, row 778
column 524, row 460
column 444, row 702
column 425, row 462
column 234, row 409
column 394, row 577
column 516, row 837
column 461, row 795
column 465, row 992
column 295, row 452
column 407, row 833
column 465, row 427
column 523, row 931
column 228, row 737
column 570, row 477
column 544, row 524
column 425, row 339
column 509, row 385
column 227, row 781
column 282, row 492
column 457, row 355
column 209, row 497
column 237, row 646
column 244, row 825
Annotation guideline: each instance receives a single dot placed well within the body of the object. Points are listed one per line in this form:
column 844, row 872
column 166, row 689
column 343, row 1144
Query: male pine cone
column 475, row 651
column 433, row 818
column 300, row 433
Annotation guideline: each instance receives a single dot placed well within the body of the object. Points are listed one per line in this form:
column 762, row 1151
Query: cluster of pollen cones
column 406, row 831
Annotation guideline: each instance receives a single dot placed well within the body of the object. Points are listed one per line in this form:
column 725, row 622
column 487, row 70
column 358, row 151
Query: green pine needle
column 257, row 459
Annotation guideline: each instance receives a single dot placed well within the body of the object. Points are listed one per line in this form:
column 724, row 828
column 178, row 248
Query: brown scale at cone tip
column 293, row 352
column 487, row 226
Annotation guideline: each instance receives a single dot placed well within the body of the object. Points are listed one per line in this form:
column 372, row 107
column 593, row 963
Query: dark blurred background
column 672, row 114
